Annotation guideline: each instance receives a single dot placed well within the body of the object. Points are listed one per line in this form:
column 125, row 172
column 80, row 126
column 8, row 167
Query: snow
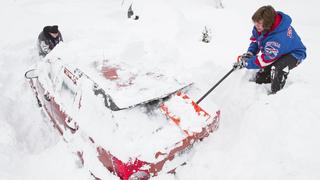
column 131, row 133
column 260, row 136
column 134, row 84
column 180, row 108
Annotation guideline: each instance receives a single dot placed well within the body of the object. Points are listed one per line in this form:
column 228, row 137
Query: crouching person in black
column 48, row 39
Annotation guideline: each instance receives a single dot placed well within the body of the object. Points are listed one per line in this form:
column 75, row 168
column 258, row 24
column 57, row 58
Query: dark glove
column 247, row 55
column 242, row 60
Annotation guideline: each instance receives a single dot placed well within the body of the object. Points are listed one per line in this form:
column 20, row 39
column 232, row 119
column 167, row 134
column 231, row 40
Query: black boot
column 278, row 78
column 263, row 76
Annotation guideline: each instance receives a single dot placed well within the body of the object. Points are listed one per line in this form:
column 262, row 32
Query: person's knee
column 286, row 61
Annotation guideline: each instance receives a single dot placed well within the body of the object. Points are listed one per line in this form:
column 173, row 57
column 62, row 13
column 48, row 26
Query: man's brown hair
column 267, row 14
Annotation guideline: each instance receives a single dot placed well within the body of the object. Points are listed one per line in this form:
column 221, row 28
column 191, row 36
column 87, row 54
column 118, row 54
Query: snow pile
column 260, row 136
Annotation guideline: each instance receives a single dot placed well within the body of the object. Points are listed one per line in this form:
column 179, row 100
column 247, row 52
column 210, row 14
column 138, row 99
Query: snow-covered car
column 132, row 122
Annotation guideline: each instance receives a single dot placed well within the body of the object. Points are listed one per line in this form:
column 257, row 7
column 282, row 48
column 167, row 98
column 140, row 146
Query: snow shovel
column 187, row 114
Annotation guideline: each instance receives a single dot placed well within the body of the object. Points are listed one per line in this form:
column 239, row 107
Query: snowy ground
column 260, row 137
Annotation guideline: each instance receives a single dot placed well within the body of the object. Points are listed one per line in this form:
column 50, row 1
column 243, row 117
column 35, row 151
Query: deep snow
column 260, row 136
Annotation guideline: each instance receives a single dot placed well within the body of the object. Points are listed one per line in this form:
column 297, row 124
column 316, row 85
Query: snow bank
column 260, row 137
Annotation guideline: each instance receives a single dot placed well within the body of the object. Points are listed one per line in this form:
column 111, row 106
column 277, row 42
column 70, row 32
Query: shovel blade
column 185, row 113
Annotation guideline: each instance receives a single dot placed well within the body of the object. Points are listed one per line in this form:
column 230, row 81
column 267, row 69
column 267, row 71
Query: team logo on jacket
column 272, row 49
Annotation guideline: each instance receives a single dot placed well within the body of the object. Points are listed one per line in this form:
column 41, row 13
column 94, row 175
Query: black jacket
column 46, row 42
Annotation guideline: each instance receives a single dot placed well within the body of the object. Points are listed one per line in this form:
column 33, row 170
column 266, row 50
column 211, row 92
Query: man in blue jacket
column 275, row 48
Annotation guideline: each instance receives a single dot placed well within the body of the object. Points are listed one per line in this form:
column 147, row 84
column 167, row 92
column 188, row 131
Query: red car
column 135, row 124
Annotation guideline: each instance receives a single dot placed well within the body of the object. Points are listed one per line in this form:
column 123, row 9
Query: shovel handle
column 225, row 76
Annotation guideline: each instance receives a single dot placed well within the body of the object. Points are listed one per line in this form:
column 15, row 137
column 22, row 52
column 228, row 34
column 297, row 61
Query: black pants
column 277, row 72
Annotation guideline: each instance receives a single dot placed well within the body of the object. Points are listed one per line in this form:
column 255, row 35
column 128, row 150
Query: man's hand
column 246, row 55
column 239, row 64
column 242, row 60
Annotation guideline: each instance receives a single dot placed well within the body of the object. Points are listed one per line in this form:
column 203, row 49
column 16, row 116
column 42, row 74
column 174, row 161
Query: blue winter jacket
column 280, row 41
